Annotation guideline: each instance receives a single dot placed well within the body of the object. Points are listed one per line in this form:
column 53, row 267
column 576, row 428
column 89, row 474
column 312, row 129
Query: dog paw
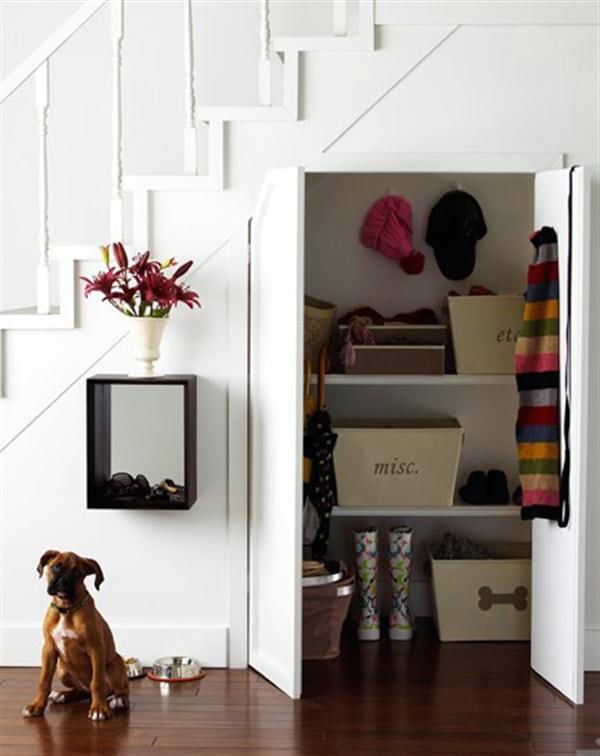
column 99, row 712
column 33, row 710
column 56, row 697
column 117, row 703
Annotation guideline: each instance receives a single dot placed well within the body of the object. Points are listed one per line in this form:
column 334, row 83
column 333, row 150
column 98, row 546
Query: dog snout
column 63, row 584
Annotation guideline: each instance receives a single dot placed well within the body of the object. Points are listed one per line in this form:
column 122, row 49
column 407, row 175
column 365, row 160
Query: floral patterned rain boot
column 400, row 555
column 367, row 554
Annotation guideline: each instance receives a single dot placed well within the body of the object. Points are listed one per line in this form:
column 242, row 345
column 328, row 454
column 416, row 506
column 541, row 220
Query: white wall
column 487, row 88
column 166, row 586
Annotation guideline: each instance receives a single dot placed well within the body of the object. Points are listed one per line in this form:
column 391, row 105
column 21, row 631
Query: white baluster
column 116, row 202
column 340, row 18
column 189, row 134
column 43, row 268
column 264, row 64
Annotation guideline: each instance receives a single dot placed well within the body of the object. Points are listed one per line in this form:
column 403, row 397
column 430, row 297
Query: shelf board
column 417, row 380
column 458, row 510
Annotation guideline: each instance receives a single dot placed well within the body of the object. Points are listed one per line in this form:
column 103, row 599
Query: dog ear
column 44, row 559
column 91, row 567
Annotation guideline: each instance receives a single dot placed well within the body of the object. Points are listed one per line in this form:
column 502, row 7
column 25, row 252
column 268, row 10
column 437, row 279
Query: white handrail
column 38, row 64
column 42, row 100
column 55, row 41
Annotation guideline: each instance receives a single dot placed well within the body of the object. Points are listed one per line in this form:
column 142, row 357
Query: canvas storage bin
column 400, row 350
column 483, row 599
column 397, row 463
column 484, row 332
column 319, row 320
column 324, row 610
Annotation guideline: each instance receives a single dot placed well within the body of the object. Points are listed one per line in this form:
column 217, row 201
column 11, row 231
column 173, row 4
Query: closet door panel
column 558, row 577
column 276, row 347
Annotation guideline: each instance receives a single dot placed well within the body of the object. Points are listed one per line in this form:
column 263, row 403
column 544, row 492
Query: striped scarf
column 537, row 372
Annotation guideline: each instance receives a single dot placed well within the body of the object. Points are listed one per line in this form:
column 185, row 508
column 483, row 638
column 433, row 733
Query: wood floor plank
column 422, row 698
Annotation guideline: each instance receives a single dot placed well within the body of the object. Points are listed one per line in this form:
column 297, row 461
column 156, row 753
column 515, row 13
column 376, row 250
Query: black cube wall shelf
column 141, row 442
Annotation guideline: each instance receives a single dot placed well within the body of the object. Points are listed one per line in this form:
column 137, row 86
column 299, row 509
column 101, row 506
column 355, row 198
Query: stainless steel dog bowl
column 176, row 669
column 134, row 668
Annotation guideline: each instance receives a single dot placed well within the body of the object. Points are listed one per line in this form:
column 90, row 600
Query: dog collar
column 70, row 609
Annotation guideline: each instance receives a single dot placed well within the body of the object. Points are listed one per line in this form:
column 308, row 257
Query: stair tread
column 319, row 44
column 171, row 182
column 27, row 319
column 244, row 113
column 32, row 310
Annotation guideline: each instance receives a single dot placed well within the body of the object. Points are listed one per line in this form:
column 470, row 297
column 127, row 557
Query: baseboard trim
column 591, row 654
column 20, row 645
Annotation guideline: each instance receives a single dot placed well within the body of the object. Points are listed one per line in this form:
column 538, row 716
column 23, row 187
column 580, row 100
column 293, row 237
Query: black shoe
column 497, row 488
column 475, row 490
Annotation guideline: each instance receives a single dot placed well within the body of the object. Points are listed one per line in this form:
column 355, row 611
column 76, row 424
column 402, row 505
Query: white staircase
column 277, row 51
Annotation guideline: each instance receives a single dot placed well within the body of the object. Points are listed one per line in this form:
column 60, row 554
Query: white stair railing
column 189, row 132
column 38, row 65
column 45, row 51
column 116, row 200
column 340, row 18
column 43, row 268
column 264, row 64
column 287, row 49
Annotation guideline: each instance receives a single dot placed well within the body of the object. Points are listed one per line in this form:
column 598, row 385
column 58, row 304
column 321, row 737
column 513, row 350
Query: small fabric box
column 483, row 599
column 484, row 332
column 397, row 463
column 399, row 350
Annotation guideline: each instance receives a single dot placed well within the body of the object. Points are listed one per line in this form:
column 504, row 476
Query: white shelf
column 418, row 380
column 458, row 510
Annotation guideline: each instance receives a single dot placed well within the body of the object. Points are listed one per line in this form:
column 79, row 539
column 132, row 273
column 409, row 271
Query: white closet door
column 276, row 348
column 558, row 574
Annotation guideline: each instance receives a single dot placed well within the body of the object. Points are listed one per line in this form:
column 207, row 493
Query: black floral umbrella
column 319, row 443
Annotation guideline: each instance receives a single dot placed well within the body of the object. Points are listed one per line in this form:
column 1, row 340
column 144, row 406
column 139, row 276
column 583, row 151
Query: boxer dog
column 78, row 644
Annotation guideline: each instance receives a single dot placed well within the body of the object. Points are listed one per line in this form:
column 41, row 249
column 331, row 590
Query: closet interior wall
column 339, row 269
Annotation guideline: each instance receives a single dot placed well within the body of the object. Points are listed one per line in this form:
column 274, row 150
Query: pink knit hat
column 387, row 228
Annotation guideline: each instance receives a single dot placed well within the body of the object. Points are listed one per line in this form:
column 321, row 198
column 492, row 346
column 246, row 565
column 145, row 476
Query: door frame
column 237, row 446
column 501, row 163
column 435, row 162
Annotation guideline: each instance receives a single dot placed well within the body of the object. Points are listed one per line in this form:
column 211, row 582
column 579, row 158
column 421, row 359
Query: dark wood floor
column 420, row 698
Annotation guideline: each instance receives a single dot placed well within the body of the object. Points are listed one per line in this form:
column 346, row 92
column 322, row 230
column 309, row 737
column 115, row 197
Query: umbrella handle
column 309, row 399
column 323, row 360
column 307, row 376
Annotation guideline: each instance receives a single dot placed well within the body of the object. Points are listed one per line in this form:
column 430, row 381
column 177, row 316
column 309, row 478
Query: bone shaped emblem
column 518, row 598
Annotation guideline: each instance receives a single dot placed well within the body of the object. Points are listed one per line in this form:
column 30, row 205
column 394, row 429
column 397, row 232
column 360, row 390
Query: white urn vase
column 146, row 335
